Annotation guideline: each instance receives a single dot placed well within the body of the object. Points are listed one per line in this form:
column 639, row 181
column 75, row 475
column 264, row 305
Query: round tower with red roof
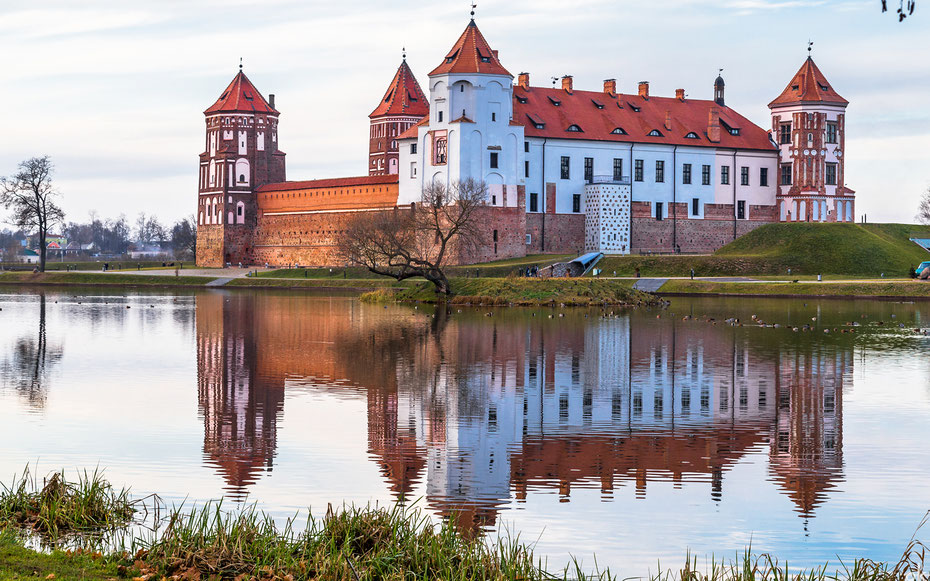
column 809, row 124
column 241, row 154
column 402, row 107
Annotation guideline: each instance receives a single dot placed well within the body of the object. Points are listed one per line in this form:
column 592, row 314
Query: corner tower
column 241, row 154
column 402, row 107
column 809, row 123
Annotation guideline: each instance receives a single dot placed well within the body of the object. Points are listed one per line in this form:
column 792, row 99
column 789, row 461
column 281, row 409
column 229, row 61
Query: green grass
column 19, row 563
column 128, row 265
column 523, row 291
column 310, row 283
column 807, row 249
column 57, row 507
column 100, row 279
column 900, row 289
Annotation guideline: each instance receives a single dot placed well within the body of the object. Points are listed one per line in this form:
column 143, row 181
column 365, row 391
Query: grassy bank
column 100, row 279
column 348, row 544
column 807, row 249
column 311, row 283
column 522, row 291
column 915, row 290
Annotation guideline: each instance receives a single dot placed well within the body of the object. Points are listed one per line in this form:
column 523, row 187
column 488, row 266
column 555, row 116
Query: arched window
column 242, row 172
column 229, row 217
column 240, row 213
column 212, row 172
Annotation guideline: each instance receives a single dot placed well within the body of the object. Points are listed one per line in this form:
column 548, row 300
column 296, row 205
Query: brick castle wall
column 564, row 233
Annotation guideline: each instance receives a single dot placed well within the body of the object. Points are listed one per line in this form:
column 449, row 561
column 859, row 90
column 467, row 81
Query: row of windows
column 830, row 170
column 784, row 133
column 639, row 172
column 696, row 209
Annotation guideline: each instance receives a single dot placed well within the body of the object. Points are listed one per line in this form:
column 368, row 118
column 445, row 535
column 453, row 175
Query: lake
column 634, row 436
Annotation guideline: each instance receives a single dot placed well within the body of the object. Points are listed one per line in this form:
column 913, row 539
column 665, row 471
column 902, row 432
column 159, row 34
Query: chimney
column 494, row 52
column 523, row 80
column 680, row 94
column 713, row 125
column 271, row 100
column 567, row 83
column 668, row 120
column 610, row 87
column 644, row 89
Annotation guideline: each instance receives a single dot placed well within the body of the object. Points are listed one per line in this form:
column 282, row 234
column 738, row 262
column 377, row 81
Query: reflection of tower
column 395, row 446
column 239, row 409
column 807, row 450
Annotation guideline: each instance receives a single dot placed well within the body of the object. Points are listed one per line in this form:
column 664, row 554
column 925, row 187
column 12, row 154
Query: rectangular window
column 705, row 175
column 784, row 133
column 638, row 170
column 526, row 146
column 439, row 148
column 566, row 170
column 744, row 176
column 695, row 206
column 660, row 207
column 413, row 169
column 831, row 132
column 494, row 201
column 725, row 175
column 493, row 115
column 413, row 148
column 534, row 202
column 494, row 156
column 831, row 174
column 686, row 174
column 589, row 169
column 660, row 171
column 526, row 169
column 440, row 116
column 786, row 174
column 764, row 177
column 741, row 210
column 618, row 170
column 576, row 203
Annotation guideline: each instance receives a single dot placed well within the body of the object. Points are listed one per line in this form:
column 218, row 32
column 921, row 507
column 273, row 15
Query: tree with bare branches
column 923, row 210
column 420, row 241
column 29, row 193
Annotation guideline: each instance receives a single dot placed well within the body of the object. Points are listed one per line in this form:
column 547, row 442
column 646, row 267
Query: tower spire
column 473, row 6
column 810, row 48
column 240, row 64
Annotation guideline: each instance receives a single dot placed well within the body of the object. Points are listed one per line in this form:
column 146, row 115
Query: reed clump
column 55, row 506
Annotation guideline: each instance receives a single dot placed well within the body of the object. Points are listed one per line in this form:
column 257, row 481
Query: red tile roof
column 403, row 97
column 241, row 96
column 536, row 106
column 809, row 85
column 471, row 54
column 329, row 183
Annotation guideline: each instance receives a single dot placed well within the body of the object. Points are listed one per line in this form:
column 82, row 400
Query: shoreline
column 584, row 291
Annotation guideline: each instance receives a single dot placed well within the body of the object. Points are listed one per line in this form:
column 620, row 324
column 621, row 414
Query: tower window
column 526, row 169
column 786, row 174
column 831, row 174
column 493, row 116
column 494, row 159
column 440, row 116
column 831, row 133
column 784, row 133
column 526, row 146
column 413, row 148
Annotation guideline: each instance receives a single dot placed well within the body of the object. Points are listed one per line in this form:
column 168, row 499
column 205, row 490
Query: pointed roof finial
column 473, row 6
column 404, row 53
column 240, row 64
column 810, row 47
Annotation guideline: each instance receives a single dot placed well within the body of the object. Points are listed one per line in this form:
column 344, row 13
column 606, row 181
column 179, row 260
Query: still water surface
column 634, row 436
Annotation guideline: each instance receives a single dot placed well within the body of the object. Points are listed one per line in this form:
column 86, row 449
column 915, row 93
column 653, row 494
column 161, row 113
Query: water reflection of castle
column 488, row 410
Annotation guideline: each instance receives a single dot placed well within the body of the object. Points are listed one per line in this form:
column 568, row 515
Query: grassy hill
column 853, row 249
column 807, row 249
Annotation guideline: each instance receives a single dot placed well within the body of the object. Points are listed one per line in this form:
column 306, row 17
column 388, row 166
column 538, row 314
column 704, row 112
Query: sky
column 114, row 90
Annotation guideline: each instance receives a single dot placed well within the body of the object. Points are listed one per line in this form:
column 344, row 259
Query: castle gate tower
column 809, row 124
column 241, row 155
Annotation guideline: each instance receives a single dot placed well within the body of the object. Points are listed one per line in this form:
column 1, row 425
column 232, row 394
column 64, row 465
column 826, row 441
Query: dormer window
column 634, row 107
column 536, row 121
column 540, row 126
column 618, row 131
column 574, row 128
column 522, row 100
column 555, row 102
column 655, row 133
column 734, row 131
column 451, row 57
column 597, row 104
column 824, row 88
column 692, row 135
column 794, row 87
column 485, row 59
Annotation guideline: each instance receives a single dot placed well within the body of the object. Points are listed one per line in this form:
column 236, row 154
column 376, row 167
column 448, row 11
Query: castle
column 567, row 170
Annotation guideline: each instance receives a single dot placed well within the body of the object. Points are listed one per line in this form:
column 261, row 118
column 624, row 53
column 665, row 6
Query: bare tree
column 905, row 9
column 184, row 238
column 418, row 242
column 29, row 193
column 923, row 210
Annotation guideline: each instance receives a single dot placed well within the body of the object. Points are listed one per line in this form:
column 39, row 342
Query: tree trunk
column 43, row 249
column 439, row 280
